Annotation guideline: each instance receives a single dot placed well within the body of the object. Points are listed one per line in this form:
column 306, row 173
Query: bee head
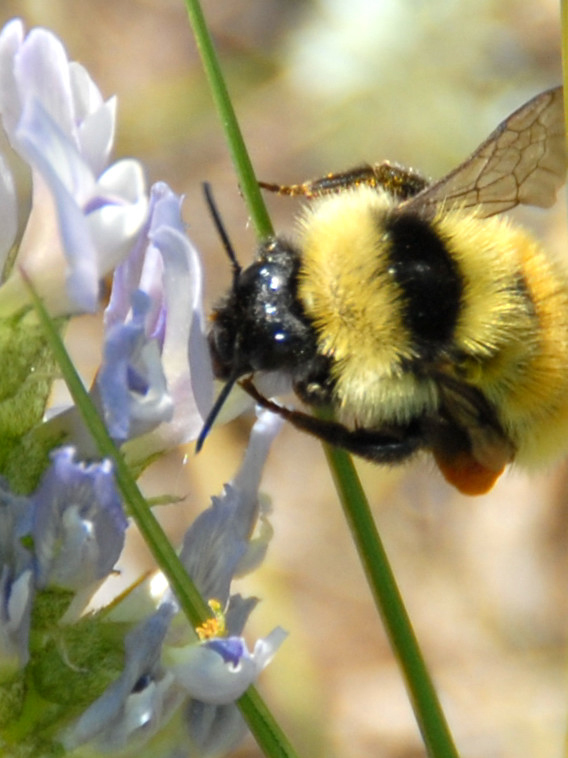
column 259, row 325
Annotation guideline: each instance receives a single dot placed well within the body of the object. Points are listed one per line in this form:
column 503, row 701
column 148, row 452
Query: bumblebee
column 424, row 320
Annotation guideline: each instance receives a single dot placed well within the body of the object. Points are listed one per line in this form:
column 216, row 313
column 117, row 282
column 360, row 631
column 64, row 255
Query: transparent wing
column 522, row 162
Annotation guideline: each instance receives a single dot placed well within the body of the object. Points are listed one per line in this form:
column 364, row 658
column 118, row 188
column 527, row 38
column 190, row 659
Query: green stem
column 239, row 153
column 270, row 738
column 425, row 703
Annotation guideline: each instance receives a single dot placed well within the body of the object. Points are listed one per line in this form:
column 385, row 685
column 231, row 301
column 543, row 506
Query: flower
column 78, row 524
column 155, row 383
column 218, row 671
column 156, row 378
column 85, row 214
column 166, row 668
column 68, row 535
column 132, row 707
column 216, row 548
column 218, row 545
column 131, row 382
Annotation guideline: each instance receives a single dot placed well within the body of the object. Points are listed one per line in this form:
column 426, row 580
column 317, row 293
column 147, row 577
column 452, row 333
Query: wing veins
column 527, row 149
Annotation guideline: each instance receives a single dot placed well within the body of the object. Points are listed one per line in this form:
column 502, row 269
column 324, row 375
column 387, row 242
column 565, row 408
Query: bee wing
column 522, row 162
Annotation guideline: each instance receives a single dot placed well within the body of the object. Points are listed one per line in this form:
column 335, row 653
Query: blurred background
column 319, row 86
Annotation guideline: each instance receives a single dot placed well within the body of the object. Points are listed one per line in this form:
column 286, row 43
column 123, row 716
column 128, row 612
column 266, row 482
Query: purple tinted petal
column 10, row 103
column 238, row 611
column 143, row 269
column 214, row 729
column 218, row 540
column 231, row 649
column 8, row 212
column 49, row 149
column 68, row 178
column 95, row 118
column 133, row 706
column 41, row 70
column 131, row 382
column 186, row 331
column 168, row 268
column 79, row 523
column 219, row 671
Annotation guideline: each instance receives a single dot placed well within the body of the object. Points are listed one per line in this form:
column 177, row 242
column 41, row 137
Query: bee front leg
column 392, row 445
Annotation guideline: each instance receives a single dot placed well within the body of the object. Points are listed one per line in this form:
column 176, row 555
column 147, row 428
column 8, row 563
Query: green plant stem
column 427, row 709
column 270, row 738
column 239, row 153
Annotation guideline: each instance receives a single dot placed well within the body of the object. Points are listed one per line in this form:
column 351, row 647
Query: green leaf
column 28, row 371
column 79, row 663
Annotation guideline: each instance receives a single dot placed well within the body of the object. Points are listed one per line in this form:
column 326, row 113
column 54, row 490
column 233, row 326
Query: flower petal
column 96, row 119
column 168, row 268
column 8, row 212
column 214, row 729
column 220, row 670
column 134, row 705
column 131, row 381
column 79, row 524
column 216, row 544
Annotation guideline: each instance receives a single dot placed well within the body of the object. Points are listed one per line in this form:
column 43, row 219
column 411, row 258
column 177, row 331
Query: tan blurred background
column 322, row 86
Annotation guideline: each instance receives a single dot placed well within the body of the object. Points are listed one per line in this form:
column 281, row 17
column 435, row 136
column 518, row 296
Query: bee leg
column 327, row 184
column 380, row 446
column 398, row 181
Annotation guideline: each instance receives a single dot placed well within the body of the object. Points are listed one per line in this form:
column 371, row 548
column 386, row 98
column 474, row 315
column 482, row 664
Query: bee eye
column 222, row 339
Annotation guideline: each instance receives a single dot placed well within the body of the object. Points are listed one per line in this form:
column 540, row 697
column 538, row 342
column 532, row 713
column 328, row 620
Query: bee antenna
column 222, row 232
column 214, row 412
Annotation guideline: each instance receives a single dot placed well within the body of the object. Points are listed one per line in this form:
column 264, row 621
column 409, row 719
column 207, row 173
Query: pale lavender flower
column 219, row 670
column 156, row 375
column 78, row 523
column 166, row 668
column 68, row 534
column 218, row 545
column 215, row 729
column 85, row 214
column 131, row 383
column 135, row 705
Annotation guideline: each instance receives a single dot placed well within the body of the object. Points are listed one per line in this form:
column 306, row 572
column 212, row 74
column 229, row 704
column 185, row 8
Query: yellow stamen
column 213, row 627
